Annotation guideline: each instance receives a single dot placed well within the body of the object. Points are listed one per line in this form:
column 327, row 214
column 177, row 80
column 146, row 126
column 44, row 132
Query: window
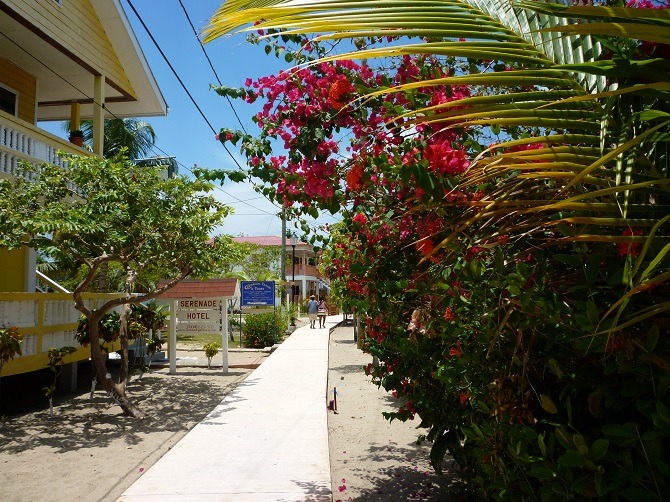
column 8, row 101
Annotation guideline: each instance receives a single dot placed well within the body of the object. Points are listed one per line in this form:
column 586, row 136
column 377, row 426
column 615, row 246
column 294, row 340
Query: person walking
column 312, row 307
column 321, row 312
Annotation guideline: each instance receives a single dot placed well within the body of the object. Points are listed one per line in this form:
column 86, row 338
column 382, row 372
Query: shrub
column 211, row 350
column 259, row 330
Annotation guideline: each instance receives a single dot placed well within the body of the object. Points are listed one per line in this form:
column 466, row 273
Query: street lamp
column 294, row 242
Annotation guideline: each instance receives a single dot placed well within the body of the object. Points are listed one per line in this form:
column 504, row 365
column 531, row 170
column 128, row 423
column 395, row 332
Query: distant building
column 307, row 279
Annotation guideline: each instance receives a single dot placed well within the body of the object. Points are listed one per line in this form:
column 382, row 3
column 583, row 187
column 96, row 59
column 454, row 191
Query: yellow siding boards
column 12, row 270
column 75, row 26
column 37, row 337
column 24, row 84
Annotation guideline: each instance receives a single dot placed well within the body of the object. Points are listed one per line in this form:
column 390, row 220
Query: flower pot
column 77, row 138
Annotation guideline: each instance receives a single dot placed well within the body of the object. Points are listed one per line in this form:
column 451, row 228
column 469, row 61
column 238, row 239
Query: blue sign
column 257, row 293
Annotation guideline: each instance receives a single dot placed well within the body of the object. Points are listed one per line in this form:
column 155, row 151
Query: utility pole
column 283, row 253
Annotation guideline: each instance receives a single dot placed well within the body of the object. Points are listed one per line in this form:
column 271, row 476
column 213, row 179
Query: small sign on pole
column 259, row 293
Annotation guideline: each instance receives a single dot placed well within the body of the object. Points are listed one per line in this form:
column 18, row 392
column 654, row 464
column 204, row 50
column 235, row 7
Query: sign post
column 259, row 293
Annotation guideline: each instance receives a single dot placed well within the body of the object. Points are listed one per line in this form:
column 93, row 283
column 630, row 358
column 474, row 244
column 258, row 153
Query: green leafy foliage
column 103, row 211
column 10, row 344
column 518, row 306
column 258, row 330
column 211, row 350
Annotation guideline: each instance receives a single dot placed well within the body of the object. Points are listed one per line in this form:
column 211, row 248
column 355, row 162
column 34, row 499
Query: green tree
column 258, row 263
column 101, row 211
column 136, row 136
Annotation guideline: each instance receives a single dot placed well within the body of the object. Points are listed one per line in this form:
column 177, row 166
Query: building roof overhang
column 65, row 78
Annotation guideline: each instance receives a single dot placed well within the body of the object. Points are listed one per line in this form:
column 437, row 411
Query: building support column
column 31, row 266
column 98, row 114
column 75, row 117
column 68, row 377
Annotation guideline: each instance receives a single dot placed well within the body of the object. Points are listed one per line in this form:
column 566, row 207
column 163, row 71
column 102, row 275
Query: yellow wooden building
column 59, row 60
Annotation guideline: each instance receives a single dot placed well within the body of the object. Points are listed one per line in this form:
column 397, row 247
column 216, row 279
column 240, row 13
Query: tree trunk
column 117, row 391
column 123, row 337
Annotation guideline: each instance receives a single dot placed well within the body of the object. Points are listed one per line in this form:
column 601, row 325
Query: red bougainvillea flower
column 355, row 177
column 449, row 314
column 424, row 246
column 360, row 218
column 463, row 397
column 629, row 248
column 472, row 252
column 340, row 93
column 456, row 350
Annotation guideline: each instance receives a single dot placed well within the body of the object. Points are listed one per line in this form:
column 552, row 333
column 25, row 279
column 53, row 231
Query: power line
column 154, row 147
column 216, row 75
column 181, row 82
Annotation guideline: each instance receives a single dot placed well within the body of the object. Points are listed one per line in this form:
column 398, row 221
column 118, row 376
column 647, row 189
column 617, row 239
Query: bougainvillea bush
column 507, row 249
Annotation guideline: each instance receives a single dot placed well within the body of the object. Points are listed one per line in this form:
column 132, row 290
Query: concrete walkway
column 266, row 441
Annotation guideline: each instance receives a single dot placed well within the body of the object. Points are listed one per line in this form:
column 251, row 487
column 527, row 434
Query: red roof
column 193, row 288
column 266, row 240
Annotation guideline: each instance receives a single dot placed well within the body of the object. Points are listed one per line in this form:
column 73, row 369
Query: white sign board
column 202, row 315
column 199, row 316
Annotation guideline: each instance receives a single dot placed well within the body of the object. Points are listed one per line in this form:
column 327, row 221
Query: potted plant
column 77, row 137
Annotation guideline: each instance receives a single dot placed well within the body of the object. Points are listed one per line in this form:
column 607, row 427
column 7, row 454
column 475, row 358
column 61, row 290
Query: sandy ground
column 89, row 452
column 372, row 459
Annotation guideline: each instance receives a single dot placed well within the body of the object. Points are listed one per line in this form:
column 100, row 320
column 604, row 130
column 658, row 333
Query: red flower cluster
column 340, row 93
column 456, row 351
column 444, row 159
column 360, row 218
column 629, row 248
column 355, row 177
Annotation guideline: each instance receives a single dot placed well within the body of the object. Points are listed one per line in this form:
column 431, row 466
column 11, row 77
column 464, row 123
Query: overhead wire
column 211, row 65
column 184, row 86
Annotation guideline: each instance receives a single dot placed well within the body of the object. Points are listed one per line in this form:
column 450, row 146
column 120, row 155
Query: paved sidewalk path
column 266, row 441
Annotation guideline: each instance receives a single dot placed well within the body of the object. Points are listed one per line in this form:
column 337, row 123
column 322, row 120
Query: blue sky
column 184, row 133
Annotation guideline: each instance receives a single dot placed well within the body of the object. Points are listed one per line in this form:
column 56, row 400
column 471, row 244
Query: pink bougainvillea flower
column 444, row 159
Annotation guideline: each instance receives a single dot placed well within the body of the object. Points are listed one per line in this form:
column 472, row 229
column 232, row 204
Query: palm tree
column 136, row 136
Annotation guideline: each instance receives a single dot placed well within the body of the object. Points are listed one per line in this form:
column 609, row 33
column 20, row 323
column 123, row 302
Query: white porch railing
column 45, row 320
column 21, row 141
